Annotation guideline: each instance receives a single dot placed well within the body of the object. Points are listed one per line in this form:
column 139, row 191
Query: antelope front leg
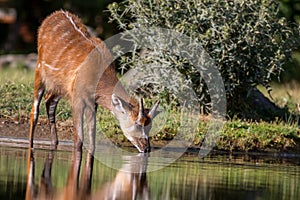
column 90, row 114
column 78, row 110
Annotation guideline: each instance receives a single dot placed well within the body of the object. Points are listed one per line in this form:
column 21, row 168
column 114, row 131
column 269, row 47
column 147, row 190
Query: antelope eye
column 148, row 121
column 138, row 125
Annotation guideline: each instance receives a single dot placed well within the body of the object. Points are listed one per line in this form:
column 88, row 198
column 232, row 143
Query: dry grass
column 20, row 75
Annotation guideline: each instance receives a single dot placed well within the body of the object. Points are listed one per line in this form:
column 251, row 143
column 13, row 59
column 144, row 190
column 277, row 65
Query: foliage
column 247, row 40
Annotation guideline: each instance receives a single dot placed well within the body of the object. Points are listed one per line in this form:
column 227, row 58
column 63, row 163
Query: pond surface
column 45, row 174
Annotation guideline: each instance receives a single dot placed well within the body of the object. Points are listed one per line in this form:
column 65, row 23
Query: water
column 45, row 174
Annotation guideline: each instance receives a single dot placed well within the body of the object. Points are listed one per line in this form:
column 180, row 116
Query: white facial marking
column 140, row 150
column 113, row 113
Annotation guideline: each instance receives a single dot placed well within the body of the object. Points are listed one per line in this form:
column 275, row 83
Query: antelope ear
column 153, row 112
column 119, row 104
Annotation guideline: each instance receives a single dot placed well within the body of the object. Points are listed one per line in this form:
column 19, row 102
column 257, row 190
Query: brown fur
column 75, row 65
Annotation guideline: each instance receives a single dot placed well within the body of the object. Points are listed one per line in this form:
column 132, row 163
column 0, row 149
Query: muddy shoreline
column 15, row 133
column 20, row 129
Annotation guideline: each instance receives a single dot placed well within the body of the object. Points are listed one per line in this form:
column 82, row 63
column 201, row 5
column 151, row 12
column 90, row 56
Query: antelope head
column 135, row 123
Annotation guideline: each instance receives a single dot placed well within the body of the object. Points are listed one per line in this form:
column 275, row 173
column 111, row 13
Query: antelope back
column 67, row 52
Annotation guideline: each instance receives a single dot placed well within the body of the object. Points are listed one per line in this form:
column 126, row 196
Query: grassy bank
column 16, row 89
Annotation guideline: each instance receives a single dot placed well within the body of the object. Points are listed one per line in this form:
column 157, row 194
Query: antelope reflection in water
column 130, row 181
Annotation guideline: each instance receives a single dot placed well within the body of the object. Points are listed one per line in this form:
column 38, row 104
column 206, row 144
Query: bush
column 247, row 40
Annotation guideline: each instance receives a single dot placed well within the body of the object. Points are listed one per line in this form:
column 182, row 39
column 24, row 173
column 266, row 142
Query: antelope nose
column 147, row 149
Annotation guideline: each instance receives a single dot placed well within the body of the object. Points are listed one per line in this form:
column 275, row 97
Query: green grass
column 16, row 89
column 253, row 136
column 18, row 74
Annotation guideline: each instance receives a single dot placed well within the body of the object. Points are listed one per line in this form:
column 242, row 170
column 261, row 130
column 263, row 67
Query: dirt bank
column 11, row 128
column 20, row 129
